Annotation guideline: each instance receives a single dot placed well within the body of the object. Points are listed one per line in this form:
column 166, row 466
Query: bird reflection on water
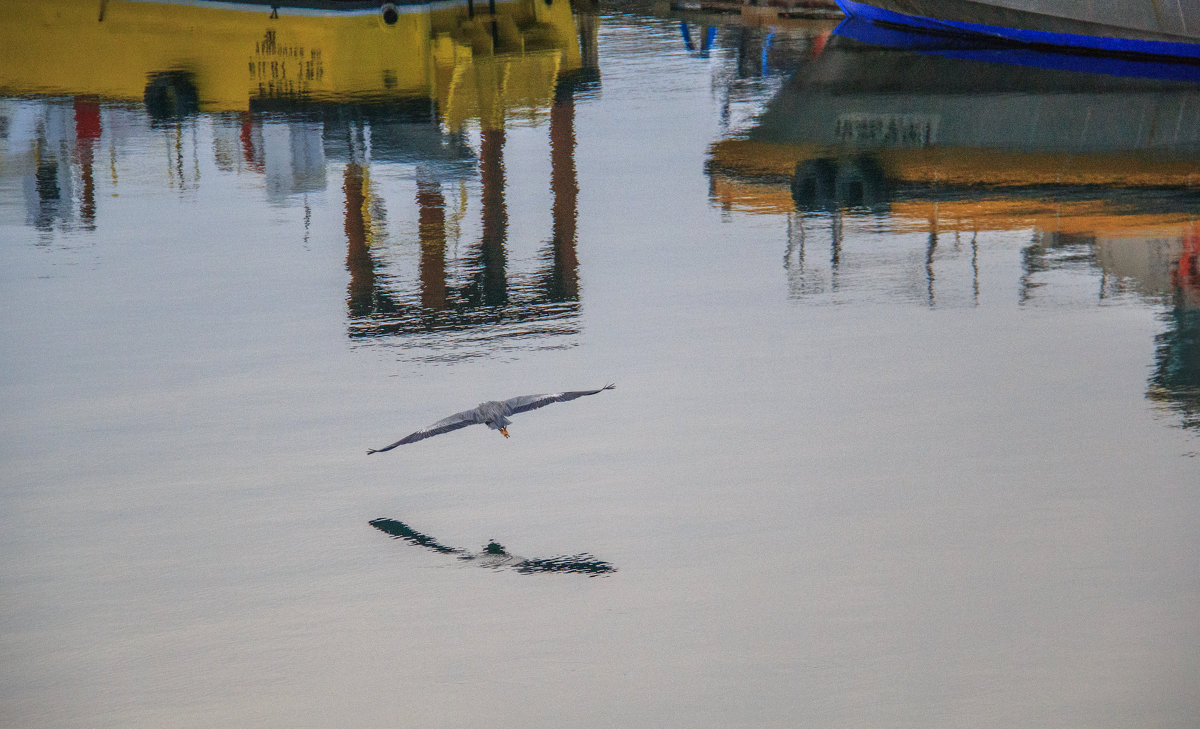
column 495, row 556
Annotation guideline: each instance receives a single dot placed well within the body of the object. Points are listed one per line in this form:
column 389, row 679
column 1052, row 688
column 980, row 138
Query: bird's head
column 494, row 547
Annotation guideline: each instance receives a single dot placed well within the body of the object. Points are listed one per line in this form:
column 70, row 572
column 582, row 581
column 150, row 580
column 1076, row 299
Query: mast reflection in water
column 898, row 159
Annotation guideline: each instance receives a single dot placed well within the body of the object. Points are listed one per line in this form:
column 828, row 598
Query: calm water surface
column 905, row 338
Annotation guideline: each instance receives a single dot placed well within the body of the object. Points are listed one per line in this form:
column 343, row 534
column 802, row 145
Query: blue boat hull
column 1014, row 24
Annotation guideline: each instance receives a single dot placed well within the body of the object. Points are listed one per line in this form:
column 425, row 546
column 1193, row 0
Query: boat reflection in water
column 945, row 146
column 289, row 93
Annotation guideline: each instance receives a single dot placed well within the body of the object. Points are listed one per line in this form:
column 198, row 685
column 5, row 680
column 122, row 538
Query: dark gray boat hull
column 1142, row 27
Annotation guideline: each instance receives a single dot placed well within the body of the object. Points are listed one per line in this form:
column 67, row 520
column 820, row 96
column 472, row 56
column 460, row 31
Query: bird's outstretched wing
column 525, row 403
column 445, row 425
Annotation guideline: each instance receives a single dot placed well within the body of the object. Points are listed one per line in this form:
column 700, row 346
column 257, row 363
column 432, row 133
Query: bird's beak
column 504, row 432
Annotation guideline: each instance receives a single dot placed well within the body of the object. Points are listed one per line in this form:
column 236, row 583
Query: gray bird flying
column 493, row 413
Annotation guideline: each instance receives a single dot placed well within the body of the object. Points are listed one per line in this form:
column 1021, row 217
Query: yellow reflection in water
column 223, row 58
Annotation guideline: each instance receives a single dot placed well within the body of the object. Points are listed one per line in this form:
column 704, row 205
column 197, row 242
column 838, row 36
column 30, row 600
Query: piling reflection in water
column 479, row 296
column 495, row 556
column 326, row 87
column 896, row 157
